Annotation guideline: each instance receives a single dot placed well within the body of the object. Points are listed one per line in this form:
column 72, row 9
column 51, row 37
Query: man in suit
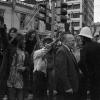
column 89, row 65
column 66, row 71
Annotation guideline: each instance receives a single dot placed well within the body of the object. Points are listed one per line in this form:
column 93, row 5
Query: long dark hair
column 12, row 29
column 30, row 44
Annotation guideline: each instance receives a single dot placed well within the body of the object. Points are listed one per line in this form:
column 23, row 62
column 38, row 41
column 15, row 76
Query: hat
column 86, row 32
column 47, row 39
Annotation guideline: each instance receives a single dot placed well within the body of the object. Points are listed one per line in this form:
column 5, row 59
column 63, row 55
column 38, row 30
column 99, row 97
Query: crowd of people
column 60, row 67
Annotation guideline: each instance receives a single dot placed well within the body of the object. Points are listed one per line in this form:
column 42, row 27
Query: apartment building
column 80, row 12
column 96, row 28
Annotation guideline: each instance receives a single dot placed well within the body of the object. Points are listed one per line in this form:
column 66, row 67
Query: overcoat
column 66, row 70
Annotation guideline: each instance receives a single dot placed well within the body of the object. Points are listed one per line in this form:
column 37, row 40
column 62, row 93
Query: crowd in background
column 66, row 67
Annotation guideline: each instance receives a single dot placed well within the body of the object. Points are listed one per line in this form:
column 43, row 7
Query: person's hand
column 69, row 90
column 47, row 46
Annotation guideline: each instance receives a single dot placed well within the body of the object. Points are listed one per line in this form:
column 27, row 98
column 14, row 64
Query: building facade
column 95, row 29
column 80, row 12
column 20, row 15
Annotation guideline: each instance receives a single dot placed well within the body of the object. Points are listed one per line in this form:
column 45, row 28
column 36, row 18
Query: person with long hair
column 16, row 80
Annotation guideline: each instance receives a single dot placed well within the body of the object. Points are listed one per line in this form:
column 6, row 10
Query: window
column 48, row 23
column 76, row 6
column 75, row 24
column 75, row 15
column 73, row 6
column 48, row 26
column 22, row 20
column 69, row 7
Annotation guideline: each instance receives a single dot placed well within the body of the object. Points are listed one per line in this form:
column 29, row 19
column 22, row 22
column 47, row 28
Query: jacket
column 66, row 70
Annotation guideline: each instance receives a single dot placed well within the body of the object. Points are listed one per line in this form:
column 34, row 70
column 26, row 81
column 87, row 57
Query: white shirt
column 40, row 64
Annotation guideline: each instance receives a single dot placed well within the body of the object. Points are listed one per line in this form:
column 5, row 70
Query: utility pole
column 53, row 17
column 13, row 12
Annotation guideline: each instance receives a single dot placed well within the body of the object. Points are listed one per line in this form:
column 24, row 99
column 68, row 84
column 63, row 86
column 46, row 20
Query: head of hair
column 29, row 34
column 13, row 29
column 67, row 36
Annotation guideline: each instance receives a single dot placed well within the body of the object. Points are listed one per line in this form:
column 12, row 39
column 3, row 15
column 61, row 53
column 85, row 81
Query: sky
column 96, row 10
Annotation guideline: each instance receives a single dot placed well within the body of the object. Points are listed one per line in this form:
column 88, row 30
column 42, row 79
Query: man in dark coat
column 90, row 65
column 66, row 71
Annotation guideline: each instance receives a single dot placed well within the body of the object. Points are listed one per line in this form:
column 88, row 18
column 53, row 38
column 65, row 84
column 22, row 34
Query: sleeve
column 40, row 53
column 61, row 69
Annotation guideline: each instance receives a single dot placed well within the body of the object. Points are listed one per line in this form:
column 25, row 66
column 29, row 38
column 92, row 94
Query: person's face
column 82, row 40
column 13, row 34
column 70, row 41
column 31, row 37
column 79, row 41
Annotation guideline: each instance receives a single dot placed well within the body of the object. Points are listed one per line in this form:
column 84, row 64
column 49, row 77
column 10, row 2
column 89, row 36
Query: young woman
column 15, row 82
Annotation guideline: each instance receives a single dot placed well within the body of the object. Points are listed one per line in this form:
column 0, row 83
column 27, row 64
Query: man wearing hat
column 89, row 65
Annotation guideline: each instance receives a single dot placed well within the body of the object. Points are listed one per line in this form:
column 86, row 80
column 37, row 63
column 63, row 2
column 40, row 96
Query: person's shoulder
column 89, row 45
column 93, row 45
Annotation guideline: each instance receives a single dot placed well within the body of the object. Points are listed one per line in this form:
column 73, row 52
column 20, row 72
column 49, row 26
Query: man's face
column 70, row 40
